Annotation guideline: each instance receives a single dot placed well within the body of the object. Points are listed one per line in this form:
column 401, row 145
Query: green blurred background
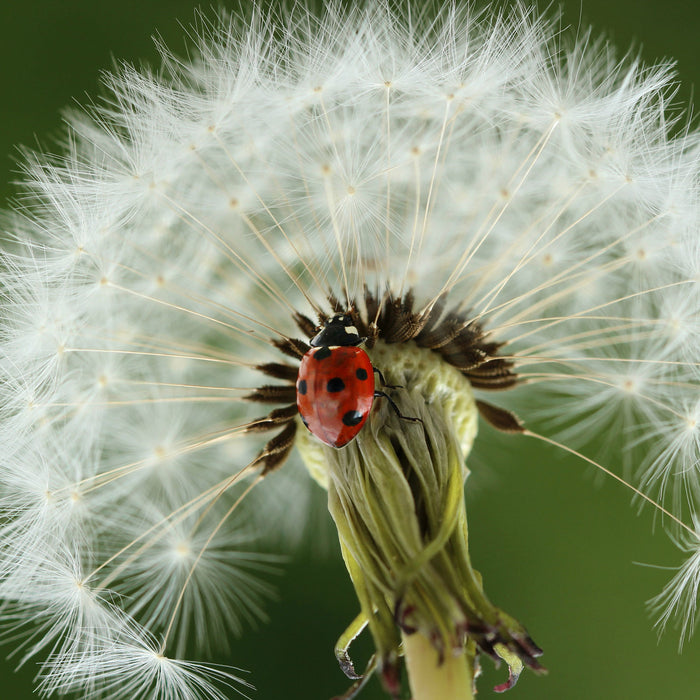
column 558, row 550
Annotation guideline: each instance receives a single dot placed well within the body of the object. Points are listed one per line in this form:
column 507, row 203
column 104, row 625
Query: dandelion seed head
column 508, row 181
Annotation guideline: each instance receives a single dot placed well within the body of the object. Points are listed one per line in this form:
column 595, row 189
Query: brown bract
column 450, row 333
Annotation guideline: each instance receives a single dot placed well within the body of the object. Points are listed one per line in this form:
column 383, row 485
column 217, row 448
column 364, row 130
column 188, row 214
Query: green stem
column 429, row 679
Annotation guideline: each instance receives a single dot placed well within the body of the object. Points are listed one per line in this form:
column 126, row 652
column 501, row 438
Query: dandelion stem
column 429, row 678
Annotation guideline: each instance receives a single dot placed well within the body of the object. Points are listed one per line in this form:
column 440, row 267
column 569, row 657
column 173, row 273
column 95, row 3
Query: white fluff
column 194, row 209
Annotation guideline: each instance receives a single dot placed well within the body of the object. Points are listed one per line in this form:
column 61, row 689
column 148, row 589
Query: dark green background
column 556, row 550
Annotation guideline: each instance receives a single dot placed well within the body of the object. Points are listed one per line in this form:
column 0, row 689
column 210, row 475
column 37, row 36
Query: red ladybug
column 335, row 386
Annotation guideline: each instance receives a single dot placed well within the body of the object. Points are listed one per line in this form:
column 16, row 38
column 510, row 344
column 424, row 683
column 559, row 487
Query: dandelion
column 505, row 221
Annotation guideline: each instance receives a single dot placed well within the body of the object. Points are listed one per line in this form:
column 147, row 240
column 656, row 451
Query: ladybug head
column 337, row 330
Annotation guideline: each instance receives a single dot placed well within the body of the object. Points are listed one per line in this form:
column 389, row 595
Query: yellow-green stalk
column 431, row 677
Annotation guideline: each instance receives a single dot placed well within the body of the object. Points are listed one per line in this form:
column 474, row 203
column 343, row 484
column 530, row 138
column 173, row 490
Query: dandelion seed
column 506, row 222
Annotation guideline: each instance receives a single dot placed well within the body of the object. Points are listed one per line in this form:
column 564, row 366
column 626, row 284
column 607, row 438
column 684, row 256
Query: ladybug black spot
column 361, row 373
column 301, row 386
column 352, row 418
column 335, row 385
column 322, row 353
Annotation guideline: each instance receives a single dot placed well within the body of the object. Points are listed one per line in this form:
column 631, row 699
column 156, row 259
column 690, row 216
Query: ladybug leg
column 395, row 407
column 383, row 381
column 389, row 399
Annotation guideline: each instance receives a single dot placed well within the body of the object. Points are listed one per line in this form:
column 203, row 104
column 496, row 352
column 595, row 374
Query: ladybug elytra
column 335, row 385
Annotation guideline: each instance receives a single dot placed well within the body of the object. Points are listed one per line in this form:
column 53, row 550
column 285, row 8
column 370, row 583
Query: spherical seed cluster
column 194, row 211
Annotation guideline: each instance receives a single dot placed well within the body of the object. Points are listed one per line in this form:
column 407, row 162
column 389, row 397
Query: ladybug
column 335, row 385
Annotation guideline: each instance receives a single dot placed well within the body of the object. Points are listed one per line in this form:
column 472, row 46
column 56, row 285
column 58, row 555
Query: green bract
column 396, row 496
